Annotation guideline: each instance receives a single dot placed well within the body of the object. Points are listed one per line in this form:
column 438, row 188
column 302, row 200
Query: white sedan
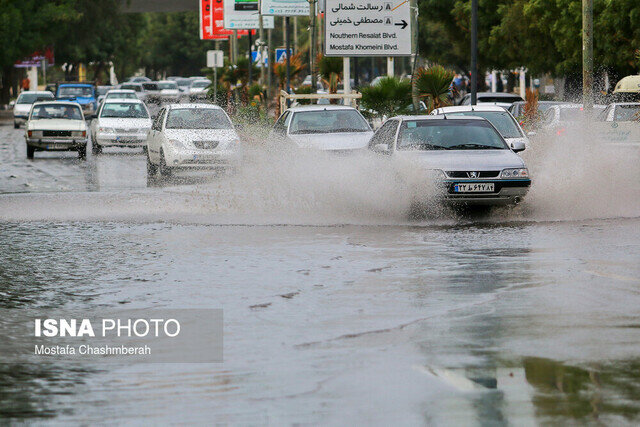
column 24, row 103
column 120, row 123
column 56, row 126
column 191, row 137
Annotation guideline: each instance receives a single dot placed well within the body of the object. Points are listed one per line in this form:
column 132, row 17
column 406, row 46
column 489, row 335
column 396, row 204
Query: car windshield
column 627, row 113
column 56, row 111
column 504, row 99
column 183, row 82
column 200, row 84
column 500, row 119
column 30, row 98
column 137, row 88
column 167, row 85
column 448, row 135
column 328, row 121
column 150, row 86
column 121, row 95
column 84, row 91
column 197, row 118
column 122, row 110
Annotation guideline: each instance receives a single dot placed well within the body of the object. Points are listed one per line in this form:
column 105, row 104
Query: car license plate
column 475, row 187
column 57, row 146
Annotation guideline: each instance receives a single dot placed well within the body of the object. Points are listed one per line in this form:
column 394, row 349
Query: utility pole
column 269, row 65
column 250, row 58
column 312, row 45
column 414, row 41
column 261, row 50
column 587, row 55
column 474, row 51
column 288, row 53
column 295, row 34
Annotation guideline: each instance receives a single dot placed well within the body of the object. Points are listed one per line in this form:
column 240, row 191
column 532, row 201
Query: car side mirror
column 381, row 148
column 518, row 146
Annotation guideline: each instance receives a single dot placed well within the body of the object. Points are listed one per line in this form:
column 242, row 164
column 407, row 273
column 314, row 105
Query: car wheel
column 82, row 152
column 163, row 168
column 30, row 151
column 16, row 125
column 95, row 147
column 152, row 170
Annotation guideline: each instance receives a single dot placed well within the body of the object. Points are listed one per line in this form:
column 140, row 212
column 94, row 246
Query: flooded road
column 334, row 313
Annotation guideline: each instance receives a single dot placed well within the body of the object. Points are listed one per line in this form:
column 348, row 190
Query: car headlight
column 106, row 130
column 79, row 133
column 515, row 173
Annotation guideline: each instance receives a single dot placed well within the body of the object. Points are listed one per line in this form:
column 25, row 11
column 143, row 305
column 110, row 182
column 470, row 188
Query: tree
column 434, row 84
column 390, row 97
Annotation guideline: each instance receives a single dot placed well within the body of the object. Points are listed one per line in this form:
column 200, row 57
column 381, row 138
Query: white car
column 56, row 126
column 334, row 128
column 199, row 89
column 466, row 156
column 120, row 123
column 191, row 137
column 621, row 112
column 500, row 118
column 168, row 91
column 23, row 105
column 139, row 90
column 502, row 99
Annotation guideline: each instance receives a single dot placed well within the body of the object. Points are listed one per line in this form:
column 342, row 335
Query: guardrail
column 284, row 96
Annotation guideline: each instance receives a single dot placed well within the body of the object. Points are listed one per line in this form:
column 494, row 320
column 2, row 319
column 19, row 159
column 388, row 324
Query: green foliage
column 390, row 97
column 330, row 68
column 434, row 83
column 304, row 90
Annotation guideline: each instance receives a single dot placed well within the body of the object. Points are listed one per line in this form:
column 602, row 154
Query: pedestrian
column 25, row 84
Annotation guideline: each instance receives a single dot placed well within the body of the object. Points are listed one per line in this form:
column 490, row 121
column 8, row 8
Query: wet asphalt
column 494, row 319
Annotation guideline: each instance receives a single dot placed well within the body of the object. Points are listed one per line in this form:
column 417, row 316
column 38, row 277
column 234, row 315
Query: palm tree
column 329, row 68
column 434, row 84
column 280, row 70
column 390, row 97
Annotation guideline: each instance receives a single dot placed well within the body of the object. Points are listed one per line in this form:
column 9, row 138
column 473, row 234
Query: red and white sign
column 212, row 21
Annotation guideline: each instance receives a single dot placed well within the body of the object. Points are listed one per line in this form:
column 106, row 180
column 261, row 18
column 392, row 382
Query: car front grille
column 132, row 130
column 473, row 174
column 205, row 145
column 66, row 133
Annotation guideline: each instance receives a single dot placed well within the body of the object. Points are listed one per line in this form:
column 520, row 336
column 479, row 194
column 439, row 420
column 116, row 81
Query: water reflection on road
column 518, row 323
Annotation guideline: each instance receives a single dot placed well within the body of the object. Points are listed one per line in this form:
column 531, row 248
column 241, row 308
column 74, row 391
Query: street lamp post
column 587, row 55
column 474, row 51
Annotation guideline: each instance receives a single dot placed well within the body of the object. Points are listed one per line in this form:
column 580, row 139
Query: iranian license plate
column 57, row 146
column 474, row 187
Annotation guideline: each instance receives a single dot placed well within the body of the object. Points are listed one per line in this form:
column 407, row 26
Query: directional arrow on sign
column 402, row 24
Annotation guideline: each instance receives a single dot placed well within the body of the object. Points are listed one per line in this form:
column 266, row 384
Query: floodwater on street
column 338, row 308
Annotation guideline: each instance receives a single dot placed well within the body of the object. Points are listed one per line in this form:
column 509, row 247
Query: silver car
column 500, row 118
column 467, row 156
column 332, row 128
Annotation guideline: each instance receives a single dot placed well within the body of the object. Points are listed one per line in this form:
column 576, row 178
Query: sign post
column 215, row 59
column 368, row 28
